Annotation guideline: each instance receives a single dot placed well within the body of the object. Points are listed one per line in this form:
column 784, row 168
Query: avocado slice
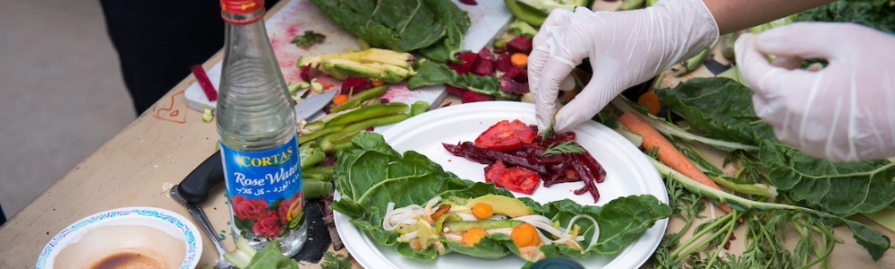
column 511, row 207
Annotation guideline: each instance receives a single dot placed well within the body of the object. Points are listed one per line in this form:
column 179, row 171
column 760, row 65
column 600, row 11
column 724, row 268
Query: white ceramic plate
column 628, row 172
column 162, row 220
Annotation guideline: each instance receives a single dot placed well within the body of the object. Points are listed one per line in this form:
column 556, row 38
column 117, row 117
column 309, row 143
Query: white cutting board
column 488, row 18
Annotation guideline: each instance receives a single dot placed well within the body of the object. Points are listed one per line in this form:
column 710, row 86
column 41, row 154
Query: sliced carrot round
column 339, row 99
column 651, row 102
column 519, row 60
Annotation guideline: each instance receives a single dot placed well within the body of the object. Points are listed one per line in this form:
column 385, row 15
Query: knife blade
column 307, row 107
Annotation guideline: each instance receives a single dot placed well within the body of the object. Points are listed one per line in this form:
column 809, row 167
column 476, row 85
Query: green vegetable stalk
column 314, row 189
column 526, row 13
column 418, row 107
column 271, row 256
column 356, row 99
column 692, row 63
column 727, row 42
column 369, row 112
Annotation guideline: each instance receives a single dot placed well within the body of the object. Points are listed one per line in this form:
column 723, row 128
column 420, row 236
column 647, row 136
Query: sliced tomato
column 514, row 179
column 495, row 171
column 519, row 180
column 523, row 132
column 500, row 137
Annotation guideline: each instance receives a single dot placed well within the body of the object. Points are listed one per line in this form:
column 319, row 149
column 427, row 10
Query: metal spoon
column 199, row 215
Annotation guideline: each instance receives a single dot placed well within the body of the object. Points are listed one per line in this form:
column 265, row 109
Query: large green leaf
column 723, row 109
column 402, row 25
column 370, row 174
column 720, row 107
column 430, row 73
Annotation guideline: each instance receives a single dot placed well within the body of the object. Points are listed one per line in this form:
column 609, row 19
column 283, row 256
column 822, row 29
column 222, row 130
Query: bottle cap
column 556, row 263
column 241, row 6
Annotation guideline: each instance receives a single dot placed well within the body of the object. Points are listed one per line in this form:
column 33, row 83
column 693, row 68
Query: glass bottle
column 257, row 130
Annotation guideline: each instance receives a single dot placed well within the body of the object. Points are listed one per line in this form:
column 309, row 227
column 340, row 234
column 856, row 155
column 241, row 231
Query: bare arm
column 734, row 15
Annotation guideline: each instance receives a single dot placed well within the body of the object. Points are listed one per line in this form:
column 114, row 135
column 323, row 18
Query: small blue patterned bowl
column 152, row 229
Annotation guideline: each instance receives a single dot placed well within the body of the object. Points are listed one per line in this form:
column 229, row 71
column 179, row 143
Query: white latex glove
column 625, row 49
column 845, row 112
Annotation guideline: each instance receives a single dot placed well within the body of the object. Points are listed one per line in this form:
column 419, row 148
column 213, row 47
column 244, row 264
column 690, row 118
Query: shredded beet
column 204, row 83
column 467, row 96
column 520, row 44
column 469, row 2
column 384, row 100
column 353, row 85
column 511, row 86
column 552, row 169
column 369, row 130
column 330, row 160
column 305, row 73
column 517, row 74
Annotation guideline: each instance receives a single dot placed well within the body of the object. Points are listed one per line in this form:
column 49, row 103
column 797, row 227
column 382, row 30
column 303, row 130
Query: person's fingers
column 766, row 80
column 602, row 88
column 544, row 104
column 548, row 87
column 801, row 40
column 557, row 17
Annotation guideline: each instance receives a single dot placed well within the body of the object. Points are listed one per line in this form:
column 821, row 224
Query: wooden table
column 166, row 143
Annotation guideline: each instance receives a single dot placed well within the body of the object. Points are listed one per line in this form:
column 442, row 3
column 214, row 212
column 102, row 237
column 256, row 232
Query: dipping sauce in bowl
column 125, row 238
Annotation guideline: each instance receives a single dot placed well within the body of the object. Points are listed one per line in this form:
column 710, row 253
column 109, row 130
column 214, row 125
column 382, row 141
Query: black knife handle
column 195, row 187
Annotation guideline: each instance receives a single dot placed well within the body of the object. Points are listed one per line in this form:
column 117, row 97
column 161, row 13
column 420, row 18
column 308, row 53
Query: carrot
column 376, row 82
column 519, row 60
column 340, row 99
column 651, row 102
column 668, row 154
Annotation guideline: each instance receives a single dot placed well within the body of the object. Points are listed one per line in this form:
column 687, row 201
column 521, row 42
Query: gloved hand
column 625, row 49
column 844, row 112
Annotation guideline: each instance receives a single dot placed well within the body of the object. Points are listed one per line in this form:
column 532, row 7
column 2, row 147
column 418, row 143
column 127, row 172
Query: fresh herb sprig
column 335, row 261
column 567, row 147
column 309, row 39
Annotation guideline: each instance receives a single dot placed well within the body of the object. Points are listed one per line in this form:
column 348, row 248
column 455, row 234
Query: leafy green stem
column 727, row 220
column 720, row 246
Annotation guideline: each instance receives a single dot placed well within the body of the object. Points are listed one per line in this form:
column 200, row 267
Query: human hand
column 844, row 112
column 624, row 49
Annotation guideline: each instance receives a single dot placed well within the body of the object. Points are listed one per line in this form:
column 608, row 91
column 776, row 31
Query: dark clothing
column 2, row 216
column 158, row 40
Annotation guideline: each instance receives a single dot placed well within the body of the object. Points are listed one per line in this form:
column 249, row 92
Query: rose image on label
column 266, row 199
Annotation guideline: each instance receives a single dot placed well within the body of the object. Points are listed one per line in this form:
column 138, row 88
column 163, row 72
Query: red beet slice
column 520, row 44
column 305, row 73
column 484, row 68
column 469, row 2
column 503, row 62
column 511, row 86
column 517, row 74
column 486, row 55
column 353, row 85
column 467, row 96
column 467, row 60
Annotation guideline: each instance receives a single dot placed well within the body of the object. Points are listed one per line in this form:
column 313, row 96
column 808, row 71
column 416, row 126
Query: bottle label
column 265, row 190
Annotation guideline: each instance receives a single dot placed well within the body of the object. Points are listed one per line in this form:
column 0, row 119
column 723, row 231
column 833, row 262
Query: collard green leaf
column 842, row 189
column 723, row 109
column 720, row 107
column 878, row 14
column 370, row 174
column 874, row 242
column 431, row 26
column 456, row 22
column 430, row 73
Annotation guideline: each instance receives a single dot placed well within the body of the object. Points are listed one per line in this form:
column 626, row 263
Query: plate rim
column 190, row 231
column 344, row 221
